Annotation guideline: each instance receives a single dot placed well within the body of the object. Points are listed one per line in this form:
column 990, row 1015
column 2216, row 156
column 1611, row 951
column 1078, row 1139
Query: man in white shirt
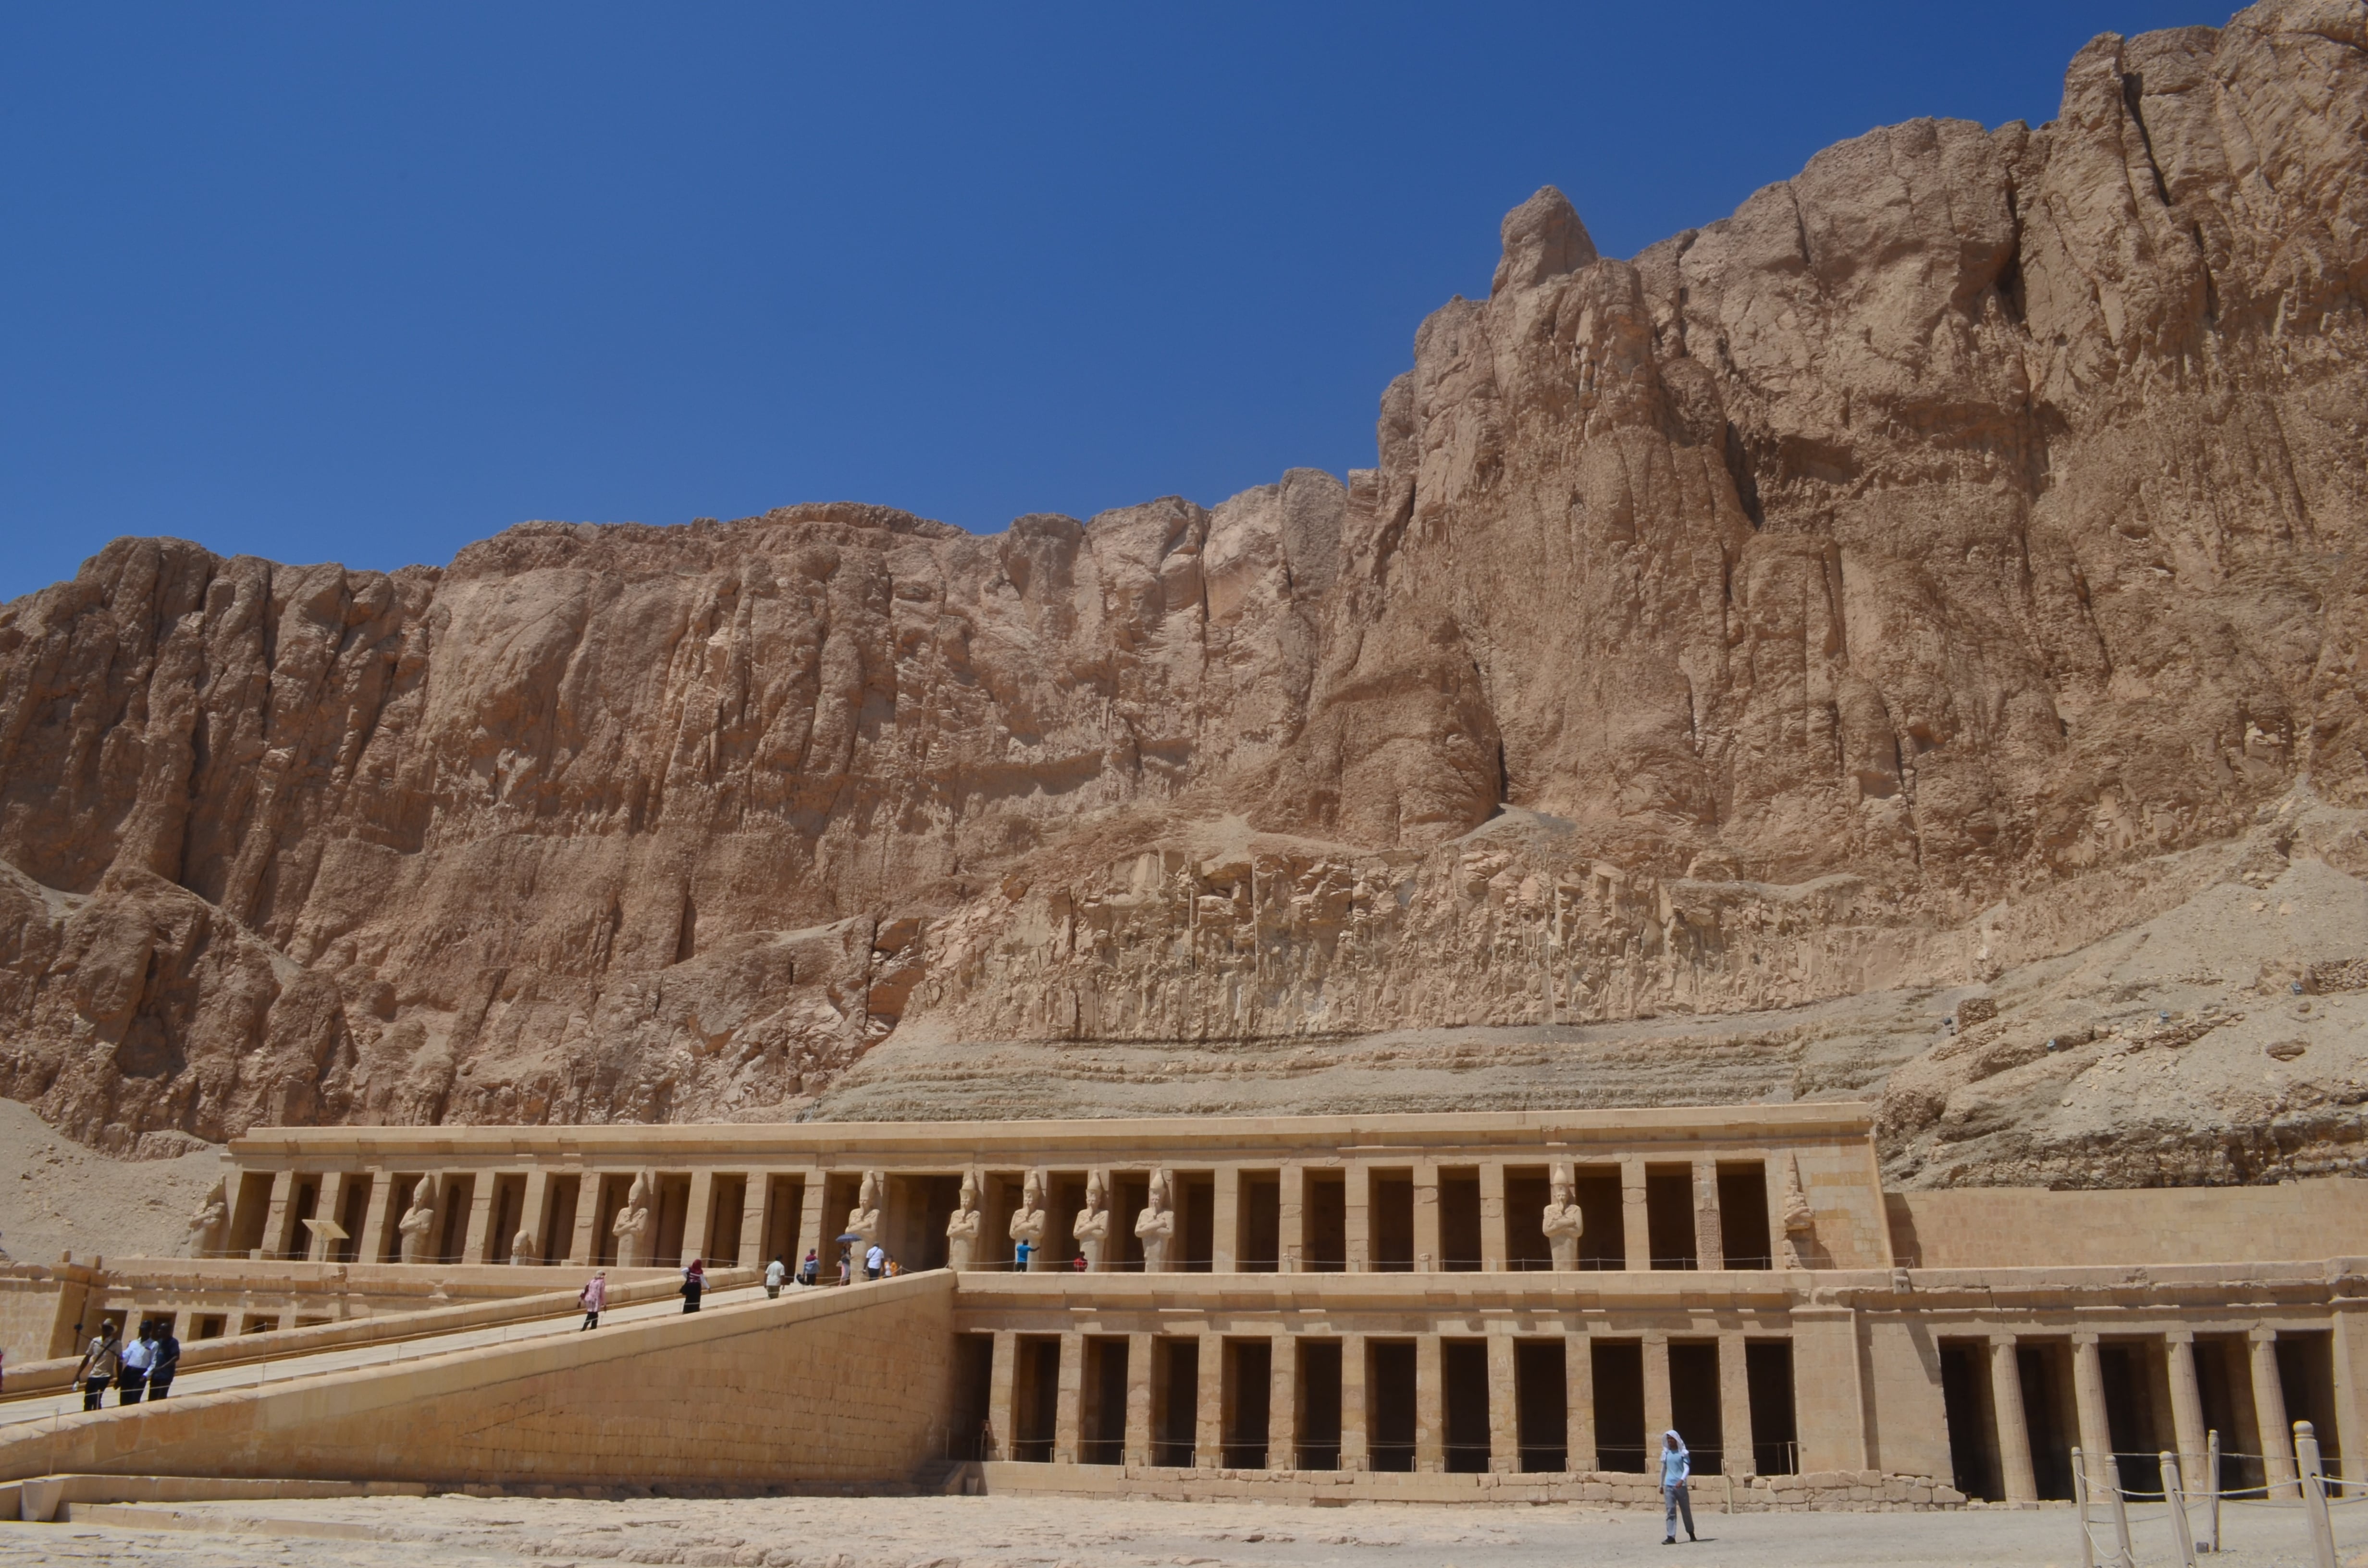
column 775, row 1272
column 874, row 1261
column 131, row 1382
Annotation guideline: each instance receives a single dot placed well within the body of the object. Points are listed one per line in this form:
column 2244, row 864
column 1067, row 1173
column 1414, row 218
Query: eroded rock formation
column 1901, row 580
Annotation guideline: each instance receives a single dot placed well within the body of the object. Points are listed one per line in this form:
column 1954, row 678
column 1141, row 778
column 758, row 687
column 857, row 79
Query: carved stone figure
column 1092, row 1225
column 963, row 1227
column 1800, row 1223
column 863, row 1220
column 1027, row 1221
column 206, row 1224
column 522, row 1246
column 1155, row 1226
column 1562, row 1221
column 631, row 1225
column 416, row 1222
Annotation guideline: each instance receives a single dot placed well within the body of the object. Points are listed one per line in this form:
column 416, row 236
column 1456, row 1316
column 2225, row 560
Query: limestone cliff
column 1948, row 561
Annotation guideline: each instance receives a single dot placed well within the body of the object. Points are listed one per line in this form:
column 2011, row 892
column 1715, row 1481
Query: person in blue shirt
column 1677, row 1468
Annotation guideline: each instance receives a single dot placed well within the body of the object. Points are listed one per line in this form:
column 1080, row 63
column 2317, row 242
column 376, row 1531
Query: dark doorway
column 1527, row 1193
column 1768, row 1380
column 1175, row 1400
column 2307, row 1375
column 1130, row 1196
column 1258, row 1223
column 458, row 1193
column 1463, row 1376
column 1743, row 1217
column 1196, row 1221
column 967, row 1435
column 1694, row 1404
column 1035, row 1398
column 509, row 1207
column 1389, row 1403
column 1060, row 1205
column 1603, row 1211
column 2137, row 1411
column 1459, row 1221
column 253, row 1212
column 303, row 1206
column 2046, row 1368
column 727, row 1200
column 1391, row 1221
column 671, row 1221
column 1001, row 1197
column 785, row 1216
column 2224, row 1376
column 398, row 1204
column 1966, row 1401
column 1325, row 1218
column 1619, row 1404
column 614, row 1190
column 1669, row 1219
column 353, row 1215
column 1101, row 1413
column 1247, row 1402
column 1319, row 1405
column 1542, row 1403
column 923, row 1205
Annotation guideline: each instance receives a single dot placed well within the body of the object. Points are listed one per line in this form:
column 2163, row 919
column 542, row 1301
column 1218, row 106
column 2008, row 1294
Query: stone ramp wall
column 2016, row 1227
column 836, row 1386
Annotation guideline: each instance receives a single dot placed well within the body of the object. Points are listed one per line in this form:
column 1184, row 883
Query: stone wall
column 830, row 1388
column 2026, row 1227
column 29, row 1315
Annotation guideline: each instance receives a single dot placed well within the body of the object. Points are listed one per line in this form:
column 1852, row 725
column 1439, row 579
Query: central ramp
column 838, row 1387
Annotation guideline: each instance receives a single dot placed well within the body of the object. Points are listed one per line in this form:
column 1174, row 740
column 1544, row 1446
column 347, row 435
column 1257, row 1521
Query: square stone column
column 583, row 1248
column 277, row 1218
column 476, row 1241
column 1290, row 1227
column 2089, row 1403
column 1282, row 1403
column 2015, row 1473
column 372, row 1246
column 1068, row 1406
column 1658, row 1417
column 1357, row 1216
column 1429, row 1258
column 531, row 1211
column 1209, row 1405
column 1356, row 1410
column 1710, row 1246
column 1735, row 1408
column 754, row 1186
column 696, row 1214
column 2185, row 1401
column 2269, row 1415
column 816, row 1232
column 1429, row 1406
column 1578, row 1402
column 1635, row 1222
column 318, row 1247
column 1504, row 1406
column 1496, row 1244
column 2352, row 1382
column 1138, row 1399
column 1002, row 1381
column 1829, row 1392
column 1225, row 1224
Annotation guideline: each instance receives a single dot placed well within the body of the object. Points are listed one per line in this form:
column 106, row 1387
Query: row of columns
column 2016, row 1474
column 1282, row 1435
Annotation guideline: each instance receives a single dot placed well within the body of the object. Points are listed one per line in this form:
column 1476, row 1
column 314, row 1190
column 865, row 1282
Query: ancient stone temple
column 1397, row 1306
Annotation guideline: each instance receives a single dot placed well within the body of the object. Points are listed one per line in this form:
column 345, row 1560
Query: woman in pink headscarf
column 694, row 1280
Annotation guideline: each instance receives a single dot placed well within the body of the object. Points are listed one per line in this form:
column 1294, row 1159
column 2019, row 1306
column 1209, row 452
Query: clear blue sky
column 366, row 282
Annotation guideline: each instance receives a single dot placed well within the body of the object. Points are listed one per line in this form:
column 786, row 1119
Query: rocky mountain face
column 1946, row 562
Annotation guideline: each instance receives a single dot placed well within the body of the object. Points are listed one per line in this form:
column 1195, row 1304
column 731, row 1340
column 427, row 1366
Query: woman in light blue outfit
column 1677, row 1468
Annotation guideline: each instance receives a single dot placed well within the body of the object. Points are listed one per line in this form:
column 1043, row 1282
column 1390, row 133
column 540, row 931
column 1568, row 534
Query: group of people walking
column 142, row 1369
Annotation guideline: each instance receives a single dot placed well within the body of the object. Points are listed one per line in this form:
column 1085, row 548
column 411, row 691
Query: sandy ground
column 1008, row 1532
column 56, row 1195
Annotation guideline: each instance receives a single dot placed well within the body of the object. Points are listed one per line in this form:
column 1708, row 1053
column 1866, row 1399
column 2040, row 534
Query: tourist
column 775, row 1272
column 131, row 1381
column 874, row 1260
column 165, row 1365
column 810, row 1272
column 98, row 1365
column 1020, row 1258
column 694, row 1280
column 594, row 1297
column 1677, row 1468
column 846, row 1264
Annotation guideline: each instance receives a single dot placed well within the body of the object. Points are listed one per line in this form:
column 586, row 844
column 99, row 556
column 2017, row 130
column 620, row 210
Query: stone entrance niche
column 967, row 1432
column 1669, row 1218
column 1528, row 1190
column 1694, row 1403
column 671, row 1221
column 1767, row 1384
column 1195, row 1195
column 1247, row 1396
column 452, row 1220
column 785, row 1210
column 614, row 1190
column 1390, row 1398
column 509, row 1209
column 565, row 1194
column 1065, row 1195
column 1463, row 1388
column 2137, row 1408
column 1130, row 1194
column 1459, row 1220
column 1101, row 1406
column 1390, row 1215
column 353, row 1217
column 1035, row 1397
column 1620, row 1435
column 1603, row 1245
column 1324, row 1217
column 1542, row 1403
column 1175, row 1399
column 1318, row 1419
column 1259, row 1223
column 727, row 1200
column 1972, row 1431
column 2050, row 1417
column 1743, row 1237
column 2307, row 1375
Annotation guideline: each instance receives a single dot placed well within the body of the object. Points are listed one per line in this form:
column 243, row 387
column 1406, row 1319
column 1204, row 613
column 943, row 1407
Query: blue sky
column 366, row 282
